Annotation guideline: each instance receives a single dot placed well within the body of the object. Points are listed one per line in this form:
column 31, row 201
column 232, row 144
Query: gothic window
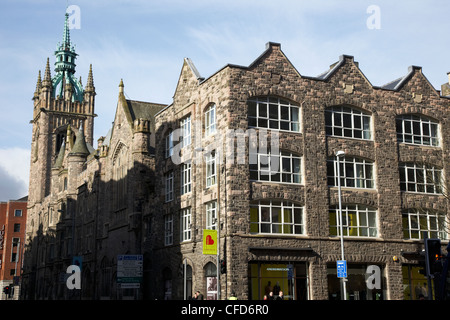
column 120, row 170
column 273, row 113
column 348, row 122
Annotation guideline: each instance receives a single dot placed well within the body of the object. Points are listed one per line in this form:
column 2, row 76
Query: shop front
column 268, row 280
column 364, row 282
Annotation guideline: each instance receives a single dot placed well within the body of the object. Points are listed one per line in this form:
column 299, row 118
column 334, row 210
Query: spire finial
column 66, row 34
column 47, row 76
column 38, row 84
column 121, row 86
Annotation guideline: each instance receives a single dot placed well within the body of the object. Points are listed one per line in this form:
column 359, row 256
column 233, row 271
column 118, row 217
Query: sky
column 144, row 43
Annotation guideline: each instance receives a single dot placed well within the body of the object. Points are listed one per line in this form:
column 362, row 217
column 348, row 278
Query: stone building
column 278, row 209
column 249, row 152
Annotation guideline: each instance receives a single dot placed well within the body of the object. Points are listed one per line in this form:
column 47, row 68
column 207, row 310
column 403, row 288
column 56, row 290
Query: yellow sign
column 209, row 241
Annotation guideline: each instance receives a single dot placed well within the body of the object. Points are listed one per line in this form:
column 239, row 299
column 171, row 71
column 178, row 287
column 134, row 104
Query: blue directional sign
column 341, row 268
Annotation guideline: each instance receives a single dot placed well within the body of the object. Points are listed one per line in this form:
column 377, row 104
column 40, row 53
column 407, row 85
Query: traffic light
column 433, row 256
column 223, row 266
column 7, row 290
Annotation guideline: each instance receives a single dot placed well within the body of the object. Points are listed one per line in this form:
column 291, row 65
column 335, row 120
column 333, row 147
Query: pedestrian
column 280, row 295
column 270, row 296
column 233, row 296
column 199, row 295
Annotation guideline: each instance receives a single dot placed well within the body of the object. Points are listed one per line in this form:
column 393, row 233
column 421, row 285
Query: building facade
column 249, row 152
column 13, row 217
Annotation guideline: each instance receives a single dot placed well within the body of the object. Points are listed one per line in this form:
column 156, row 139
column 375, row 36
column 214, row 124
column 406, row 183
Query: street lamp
column 343, row 280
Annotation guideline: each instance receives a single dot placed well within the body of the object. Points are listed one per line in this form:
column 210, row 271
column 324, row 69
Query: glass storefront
column 267, row 278
column 415, row 284
column 364, row 282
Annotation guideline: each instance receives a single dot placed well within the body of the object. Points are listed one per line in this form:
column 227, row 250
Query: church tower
column 59, row 102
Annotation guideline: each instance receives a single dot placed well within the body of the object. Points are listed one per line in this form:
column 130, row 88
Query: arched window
column 211, row 281
column 120, row 170
column 354, row 172
column 417, row 129
column 422, row 178
column 348, row 122
column 273, row 113
column 210, row 120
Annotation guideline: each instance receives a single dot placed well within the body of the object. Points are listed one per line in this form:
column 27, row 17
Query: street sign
column 341, row 268
column 129, row 268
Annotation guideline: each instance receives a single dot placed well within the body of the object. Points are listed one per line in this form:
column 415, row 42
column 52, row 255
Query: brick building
column 251, row 153
column 13, row 217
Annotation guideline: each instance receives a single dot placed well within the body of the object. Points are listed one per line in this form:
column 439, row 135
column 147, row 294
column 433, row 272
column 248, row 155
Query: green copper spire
column 65, row 67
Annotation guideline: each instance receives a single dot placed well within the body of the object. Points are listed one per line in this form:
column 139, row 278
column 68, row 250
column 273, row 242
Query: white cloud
column 14, row 173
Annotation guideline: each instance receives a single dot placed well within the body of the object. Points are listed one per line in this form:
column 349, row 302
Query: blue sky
column 144, row 43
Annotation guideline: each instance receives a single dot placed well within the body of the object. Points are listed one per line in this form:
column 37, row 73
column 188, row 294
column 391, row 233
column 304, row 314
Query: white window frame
column 211, row 168
column 365, row 226
column 273, row 113
column 210, row 120
column 418, row 221
column 168, row 178
column 17, row 212
column 169, row 145
column 211, row 215
column 360, row 126
column 416, row 178
column 168, row 229
column 277, row 168
column 417, row 130
column 185, row 177
column 185, row 126
column 272, row 217
column 185, row 224
column 355, row 173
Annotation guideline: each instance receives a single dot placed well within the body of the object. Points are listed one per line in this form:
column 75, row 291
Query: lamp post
column 343, row 280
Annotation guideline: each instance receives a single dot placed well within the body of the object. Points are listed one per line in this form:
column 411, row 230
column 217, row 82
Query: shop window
column 363, row 283
column 415, row 284
column 266, row 280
